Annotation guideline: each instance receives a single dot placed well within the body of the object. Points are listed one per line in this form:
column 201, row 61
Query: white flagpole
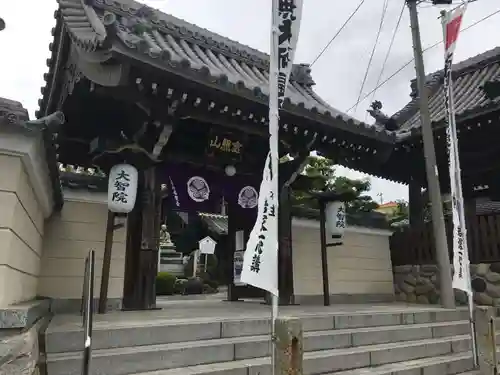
column 260, row 264
column 461, row 279
column 274, row 155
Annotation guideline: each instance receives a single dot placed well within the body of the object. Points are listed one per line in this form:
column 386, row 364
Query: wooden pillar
column 106, row 263
column 285, row 263
column 470, row 221
column 232, row 290
column 141, row 263
column 324, row 255
column 415, row 204
column 133, row 238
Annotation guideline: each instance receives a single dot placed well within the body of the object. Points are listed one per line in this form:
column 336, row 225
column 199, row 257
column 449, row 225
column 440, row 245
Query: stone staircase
column 433, row 341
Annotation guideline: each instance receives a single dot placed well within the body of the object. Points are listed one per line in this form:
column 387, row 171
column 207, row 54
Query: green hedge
column 165, row 284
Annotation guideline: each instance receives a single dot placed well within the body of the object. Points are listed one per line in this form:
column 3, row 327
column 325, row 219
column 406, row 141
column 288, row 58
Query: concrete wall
column 69, row 235
column 359, row 270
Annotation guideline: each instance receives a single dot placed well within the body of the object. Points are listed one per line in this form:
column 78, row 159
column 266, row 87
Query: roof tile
column 177, row 43
column 469, row 77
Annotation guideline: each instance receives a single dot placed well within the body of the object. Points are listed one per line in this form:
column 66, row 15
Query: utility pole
column 443, row 260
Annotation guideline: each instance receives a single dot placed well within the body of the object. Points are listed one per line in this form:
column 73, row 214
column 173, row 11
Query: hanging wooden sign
column 225, row 145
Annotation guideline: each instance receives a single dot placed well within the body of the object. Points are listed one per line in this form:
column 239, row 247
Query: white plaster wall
column 25, row 202
column 361, row 266
column 21, row 231
column 69, row 235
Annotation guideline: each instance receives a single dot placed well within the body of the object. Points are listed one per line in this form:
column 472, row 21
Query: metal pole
column 443, row 260
column 470, row 305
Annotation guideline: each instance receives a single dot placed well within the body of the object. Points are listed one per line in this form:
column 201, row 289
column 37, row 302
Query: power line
column 390, row 48
column 384, row 11
column 338, row 32
column 409, row 62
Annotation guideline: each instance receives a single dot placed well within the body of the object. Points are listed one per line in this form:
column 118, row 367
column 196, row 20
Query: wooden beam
column 250, row 128
column 162, row 140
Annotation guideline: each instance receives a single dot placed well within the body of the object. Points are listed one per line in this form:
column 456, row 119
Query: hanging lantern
column 122, row 188
column 335, row 219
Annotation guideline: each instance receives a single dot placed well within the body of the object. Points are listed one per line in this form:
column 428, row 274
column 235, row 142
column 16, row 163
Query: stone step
column 109, row 334
column 335, row 339
column 133, row 360
column 451, row 364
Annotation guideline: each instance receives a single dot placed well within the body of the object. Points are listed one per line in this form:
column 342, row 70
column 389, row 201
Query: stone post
column 289, row 349
column 485, row 338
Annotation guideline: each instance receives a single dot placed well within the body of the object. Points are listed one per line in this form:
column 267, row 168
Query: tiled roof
column 468, row 78
column 388, row 204
column 216, row 223
column 129, row 27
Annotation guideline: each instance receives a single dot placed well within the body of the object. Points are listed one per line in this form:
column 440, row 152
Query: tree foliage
column 321, row 177
column 400, row 217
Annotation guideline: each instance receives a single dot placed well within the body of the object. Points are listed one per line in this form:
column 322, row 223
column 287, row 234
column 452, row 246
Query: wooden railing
column 415, row 245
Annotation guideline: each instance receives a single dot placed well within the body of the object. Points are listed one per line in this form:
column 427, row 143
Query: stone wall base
column 420, row 284
column 23, row 315
column 20, row 350
column 68, row 306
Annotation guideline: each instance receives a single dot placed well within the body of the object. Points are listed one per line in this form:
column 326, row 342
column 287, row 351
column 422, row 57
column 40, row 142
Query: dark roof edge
column 460, row 118
column 433, row 80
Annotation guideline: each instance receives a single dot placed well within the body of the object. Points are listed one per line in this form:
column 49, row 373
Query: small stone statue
column 165, row 236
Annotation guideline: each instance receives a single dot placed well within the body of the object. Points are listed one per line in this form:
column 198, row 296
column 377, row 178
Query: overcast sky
column 338, row 73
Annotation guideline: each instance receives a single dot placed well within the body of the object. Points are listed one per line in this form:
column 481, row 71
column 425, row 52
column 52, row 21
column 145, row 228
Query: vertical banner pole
column 260, row 263
column 274, row 155
column 451, row 22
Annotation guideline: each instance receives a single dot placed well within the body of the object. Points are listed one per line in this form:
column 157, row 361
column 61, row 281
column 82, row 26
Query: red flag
column 452, row 23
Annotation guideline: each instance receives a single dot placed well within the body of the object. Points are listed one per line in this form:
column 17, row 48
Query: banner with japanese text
column 452, row 21
column 260, row 264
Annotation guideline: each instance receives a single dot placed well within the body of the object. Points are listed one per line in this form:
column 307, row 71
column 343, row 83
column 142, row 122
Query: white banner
column 461, row 277
column 260, row 264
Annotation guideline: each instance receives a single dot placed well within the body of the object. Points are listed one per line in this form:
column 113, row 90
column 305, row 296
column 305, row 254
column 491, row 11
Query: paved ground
column 209, row 310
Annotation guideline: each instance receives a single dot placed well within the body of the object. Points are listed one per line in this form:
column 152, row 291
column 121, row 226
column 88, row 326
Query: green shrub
column 165, row 284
